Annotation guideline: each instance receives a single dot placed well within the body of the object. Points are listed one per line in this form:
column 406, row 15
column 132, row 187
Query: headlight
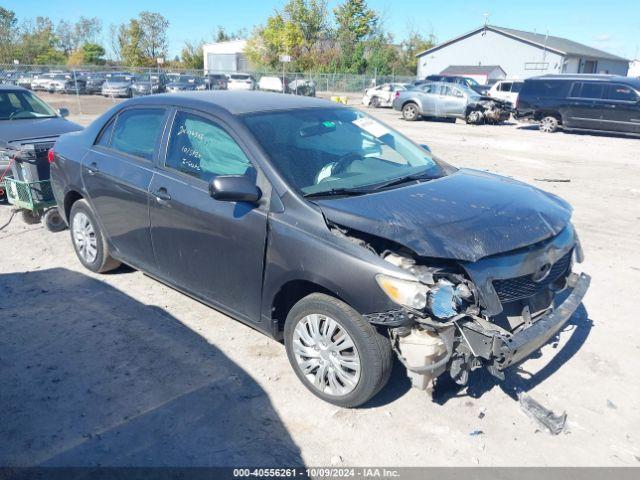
column 404, row 292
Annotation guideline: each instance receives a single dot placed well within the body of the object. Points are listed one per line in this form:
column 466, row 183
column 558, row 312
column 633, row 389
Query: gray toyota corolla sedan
column 323, row 227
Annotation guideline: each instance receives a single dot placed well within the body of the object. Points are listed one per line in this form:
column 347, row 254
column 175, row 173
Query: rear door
column 622, row 108
column 117, row 172
column 586, row 105
column 210, row 248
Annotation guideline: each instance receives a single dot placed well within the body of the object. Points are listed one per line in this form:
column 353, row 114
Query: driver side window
column 202, row 149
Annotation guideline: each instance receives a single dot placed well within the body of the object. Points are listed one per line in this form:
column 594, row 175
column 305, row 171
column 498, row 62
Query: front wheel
column 336, row 354
column 88, row 240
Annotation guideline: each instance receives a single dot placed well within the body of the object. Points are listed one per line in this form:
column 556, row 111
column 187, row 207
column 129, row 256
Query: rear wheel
column 549, row 124
column 336, row 354
column 88, row 240
column 410, row 112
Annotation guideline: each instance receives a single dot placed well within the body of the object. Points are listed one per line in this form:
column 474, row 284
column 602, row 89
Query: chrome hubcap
column 326, row 355
column 84, row 237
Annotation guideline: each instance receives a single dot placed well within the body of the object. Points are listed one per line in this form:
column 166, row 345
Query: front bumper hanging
column 520, row 345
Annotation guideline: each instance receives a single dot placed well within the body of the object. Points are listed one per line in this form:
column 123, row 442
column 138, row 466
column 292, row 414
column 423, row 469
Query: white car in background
column 240, row 81
column 506, row 90
column 382, row 95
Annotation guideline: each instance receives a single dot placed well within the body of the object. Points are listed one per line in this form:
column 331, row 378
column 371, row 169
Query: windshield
column 146, row 78
column 20, row 104
column 472, row 94
column 471, row 81
column 330, row 150
column 118, row 78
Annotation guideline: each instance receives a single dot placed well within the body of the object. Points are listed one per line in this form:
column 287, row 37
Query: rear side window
column 589, row 90
column 137, row 131
column 505, row 87
column 201, row 148
column 104, row 139
column 546, row 88
column 621, row 93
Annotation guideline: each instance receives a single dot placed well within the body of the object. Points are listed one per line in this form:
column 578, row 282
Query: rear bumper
column 525, row 342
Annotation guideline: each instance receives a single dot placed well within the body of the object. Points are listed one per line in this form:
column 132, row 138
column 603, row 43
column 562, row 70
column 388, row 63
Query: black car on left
column 27, row 121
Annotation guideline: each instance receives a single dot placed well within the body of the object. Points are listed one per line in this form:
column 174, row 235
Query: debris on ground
column 482, row 413
column 611, row 405
column 553, row 180
column 554, row 424
column 475, row 433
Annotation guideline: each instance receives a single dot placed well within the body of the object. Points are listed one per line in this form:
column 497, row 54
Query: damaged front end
column 488, row 111
column 456, row 317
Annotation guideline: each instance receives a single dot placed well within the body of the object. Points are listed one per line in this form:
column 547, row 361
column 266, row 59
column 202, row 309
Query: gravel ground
column 120, row 370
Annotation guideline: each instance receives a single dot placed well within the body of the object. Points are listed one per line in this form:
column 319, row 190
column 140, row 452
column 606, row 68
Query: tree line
column 350, row 38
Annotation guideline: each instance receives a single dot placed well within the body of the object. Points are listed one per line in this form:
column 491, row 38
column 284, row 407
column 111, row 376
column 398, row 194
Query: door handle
column 162, row 196
column 92, row 168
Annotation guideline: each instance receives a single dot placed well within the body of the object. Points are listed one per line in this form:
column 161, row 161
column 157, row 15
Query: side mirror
column 426, row 147
column 63, row 112
column 234, row 188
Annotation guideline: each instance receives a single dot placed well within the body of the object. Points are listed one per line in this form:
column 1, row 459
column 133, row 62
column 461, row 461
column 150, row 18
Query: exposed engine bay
column 457, row 317
column 488, row 111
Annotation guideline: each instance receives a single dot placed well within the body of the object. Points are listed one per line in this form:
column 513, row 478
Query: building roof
column 471, row 70
column 559, row 45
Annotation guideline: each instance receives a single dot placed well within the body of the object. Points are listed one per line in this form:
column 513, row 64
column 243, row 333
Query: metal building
column 520, row 54
column 225, row 57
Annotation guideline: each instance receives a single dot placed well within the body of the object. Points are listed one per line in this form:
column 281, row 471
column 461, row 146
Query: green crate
column 34, row 196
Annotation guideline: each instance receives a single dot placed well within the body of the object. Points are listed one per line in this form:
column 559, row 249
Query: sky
column 612, row 25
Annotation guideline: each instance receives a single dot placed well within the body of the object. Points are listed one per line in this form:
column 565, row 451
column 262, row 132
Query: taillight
column 51, row 156
column 398, row 94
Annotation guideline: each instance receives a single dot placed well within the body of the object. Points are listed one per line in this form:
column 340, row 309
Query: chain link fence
column 80, row 89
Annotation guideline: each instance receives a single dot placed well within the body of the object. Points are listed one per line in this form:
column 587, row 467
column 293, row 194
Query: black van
column 582, row 102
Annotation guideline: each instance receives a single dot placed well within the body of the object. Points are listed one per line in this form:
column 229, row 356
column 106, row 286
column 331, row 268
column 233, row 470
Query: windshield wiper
column 404, row 179
column 338, row 192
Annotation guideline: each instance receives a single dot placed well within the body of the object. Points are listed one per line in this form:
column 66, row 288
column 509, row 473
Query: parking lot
column 119, row 369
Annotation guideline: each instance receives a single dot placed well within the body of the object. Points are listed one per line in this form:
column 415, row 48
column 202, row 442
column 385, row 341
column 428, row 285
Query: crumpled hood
column 28, row 129
column 464, row 216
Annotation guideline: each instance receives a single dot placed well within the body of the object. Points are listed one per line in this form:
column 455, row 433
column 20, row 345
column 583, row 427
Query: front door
column 212, row 249
column 622, row 109
column 117, row 172
column 451, row 102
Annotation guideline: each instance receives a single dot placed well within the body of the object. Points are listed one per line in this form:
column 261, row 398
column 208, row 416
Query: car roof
column 235, row 102
column 591, row 78
column 11, row 88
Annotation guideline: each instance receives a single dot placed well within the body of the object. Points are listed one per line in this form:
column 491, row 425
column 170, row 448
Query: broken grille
column 512, row 289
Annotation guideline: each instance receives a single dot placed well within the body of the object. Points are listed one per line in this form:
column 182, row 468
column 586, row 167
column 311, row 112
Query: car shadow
column 91, row 377
column 517, row 379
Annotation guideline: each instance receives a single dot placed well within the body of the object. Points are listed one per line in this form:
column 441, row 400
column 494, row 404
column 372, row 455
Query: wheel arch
column 540, row 114
column 71, row 197
column 290, row 293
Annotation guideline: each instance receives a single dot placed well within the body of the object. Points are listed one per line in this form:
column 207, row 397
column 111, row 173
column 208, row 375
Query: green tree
column 153, row 38
column 411, row 46
column 192, row 56
column 8, row 32
column 300, row 29
column 355, row 25
column 129, row 44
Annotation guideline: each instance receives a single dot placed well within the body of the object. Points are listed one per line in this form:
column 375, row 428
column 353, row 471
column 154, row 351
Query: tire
column 549, row 124
column 410, row 112
column 29, row 217
column 87, row 236
column 370, row 349
column 53, row 220
column 374, row 102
